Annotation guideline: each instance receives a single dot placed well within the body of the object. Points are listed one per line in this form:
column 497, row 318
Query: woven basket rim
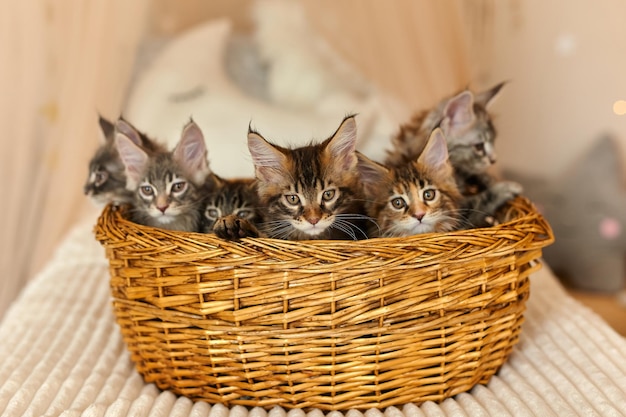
column 519, row 211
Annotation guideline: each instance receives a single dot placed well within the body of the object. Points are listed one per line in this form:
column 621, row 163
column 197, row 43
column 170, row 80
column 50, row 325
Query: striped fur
column 419, row 196
column 231, row 210
column 311, row 192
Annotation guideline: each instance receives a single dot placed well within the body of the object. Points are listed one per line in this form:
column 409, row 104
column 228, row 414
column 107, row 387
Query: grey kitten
column 106, row 182
column 167, row 186
column 470, row 134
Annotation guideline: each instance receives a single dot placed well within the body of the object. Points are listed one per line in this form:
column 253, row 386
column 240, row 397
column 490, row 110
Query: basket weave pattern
column 326, row 324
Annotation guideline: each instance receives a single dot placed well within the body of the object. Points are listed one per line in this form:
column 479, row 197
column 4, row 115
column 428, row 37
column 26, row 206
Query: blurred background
column 65, row 61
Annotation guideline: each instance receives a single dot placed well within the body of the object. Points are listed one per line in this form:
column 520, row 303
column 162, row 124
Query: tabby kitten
column 417, row 197
column 470, row 135
column 231, row 209
column 310, row 192
column 167, row 186
column 106, row 182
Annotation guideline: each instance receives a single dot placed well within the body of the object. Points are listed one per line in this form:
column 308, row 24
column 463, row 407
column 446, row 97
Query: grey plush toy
column 586, row 207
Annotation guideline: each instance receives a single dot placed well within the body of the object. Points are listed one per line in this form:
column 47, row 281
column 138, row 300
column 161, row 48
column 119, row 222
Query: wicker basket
column 326, row 324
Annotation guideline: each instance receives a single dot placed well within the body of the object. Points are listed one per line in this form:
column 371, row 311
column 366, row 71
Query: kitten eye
column 328, row 195
column 292, row 199
column 179, row 187
column 244, row 214
column 480, row 148
column 429, row 195
column 147, row 190
column 398, row 203
column 100, row 178
column 212, row 213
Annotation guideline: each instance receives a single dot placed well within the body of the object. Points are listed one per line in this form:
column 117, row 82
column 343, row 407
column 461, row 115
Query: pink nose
column 163, row 208
column 419, row 216
column 313, row 220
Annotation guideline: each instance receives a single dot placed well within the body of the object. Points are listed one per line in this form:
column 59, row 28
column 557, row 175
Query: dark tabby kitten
column 231, row 209
column 167, row 185
column 107, row 181
column 470, row 135
column 311, row 192
column 417, row 197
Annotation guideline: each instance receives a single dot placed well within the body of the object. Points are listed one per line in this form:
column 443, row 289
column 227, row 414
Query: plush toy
column 586, row 207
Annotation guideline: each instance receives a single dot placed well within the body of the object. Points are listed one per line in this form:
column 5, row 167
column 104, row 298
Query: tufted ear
column 458, row 113
column 270, row 164
column 435, row 154
column 371, row 173
column 126, row 129
column 107, row 129
column 486, row 98
column 134, row 158
column 342, row 145
column 191, row 153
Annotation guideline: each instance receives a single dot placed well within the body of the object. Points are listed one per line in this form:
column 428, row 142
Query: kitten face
column 106, row 182
column 473, row 150
column 166, row 198
column 231, row 197
column 418, row 197
column 311, row 192
column 167, row 185
column 466, row 124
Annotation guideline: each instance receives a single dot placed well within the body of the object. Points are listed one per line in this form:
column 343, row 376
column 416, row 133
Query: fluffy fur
column 310, row 192
column 167, row 186
column 231, row 209
column 467, row 125
column 106, row 182
column 420, row 196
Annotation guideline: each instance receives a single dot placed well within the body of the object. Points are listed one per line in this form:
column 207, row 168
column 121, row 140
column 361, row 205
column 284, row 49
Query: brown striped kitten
column 106, row 182
column 167, row 186
column 310, row 192
column 231, row 209
column 470, row 134
column 420, row 196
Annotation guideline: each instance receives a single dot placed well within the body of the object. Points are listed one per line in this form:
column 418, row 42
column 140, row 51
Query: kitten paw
column 508, row 188
column 232, row 227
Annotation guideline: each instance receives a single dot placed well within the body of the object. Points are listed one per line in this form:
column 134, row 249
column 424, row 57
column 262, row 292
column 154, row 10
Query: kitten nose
column 163, row 208
column 313, row 220
column 419, row 216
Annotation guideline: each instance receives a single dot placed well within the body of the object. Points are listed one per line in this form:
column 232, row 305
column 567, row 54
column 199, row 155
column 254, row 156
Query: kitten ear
column 486, row 97
column 107, row 129
column 342, row 145
column 458, row 112
column 435, row 154
column 134, row 159
column 371, row 173
column 191, row 153
column 126, row 129
column 269, row 162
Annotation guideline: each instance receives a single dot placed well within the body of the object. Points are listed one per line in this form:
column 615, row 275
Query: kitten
column 470, row 134
column 106, row 182
column 167, row 186
column 418, row 197
column 231, row 209
column 310, row 192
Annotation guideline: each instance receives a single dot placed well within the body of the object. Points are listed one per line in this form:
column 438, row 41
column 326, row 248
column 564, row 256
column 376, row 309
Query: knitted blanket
column 61, row 354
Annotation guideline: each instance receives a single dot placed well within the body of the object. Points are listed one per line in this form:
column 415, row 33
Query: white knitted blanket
column 61, row 354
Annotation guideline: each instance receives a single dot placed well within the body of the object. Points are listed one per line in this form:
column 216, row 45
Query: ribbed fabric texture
column 61, row 354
